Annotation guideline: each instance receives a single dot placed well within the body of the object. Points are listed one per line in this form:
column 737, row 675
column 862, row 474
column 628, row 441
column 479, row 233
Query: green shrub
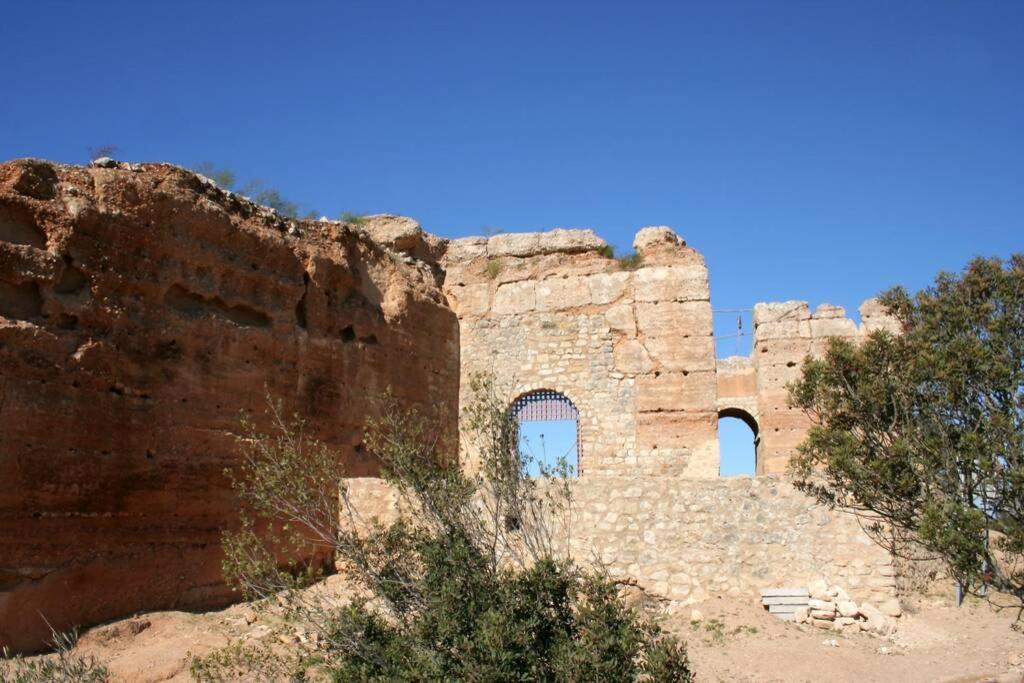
column 352, row 218
column 492, row 269
column 607, row 250
column 471, row 582
column 62, row 665
column 631, row 261
column 921, row 434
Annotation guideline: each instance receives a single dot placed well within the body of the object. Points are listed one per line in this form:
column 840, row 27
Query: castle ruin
column 143, row 309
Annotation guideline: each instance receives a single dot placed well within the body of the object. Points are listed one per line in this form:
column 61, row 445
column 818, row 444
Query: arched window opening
column 548, row 432
column 738, row 441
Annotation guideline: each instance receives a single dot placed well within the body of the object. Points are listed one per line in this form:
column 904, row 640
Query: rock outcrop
column 142, row 311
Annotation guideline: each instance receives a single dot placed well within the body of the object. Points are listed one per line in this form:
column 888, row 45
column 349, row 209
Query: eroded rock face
column 142, row 311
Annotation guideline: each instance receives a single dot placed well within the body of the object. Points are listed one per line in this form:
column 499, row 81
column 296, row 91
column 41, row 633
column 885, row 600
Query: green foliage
column 471, row 582
column 224, row 177
column 631, row 261
column 255, row 189
column 627, row 262
column 62, row 665
column 352, row 218
column 492, row 269
column 923, row 433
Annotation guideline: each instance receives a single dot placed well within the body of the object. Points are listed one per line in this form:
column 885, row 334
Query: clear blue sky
column 811, row 150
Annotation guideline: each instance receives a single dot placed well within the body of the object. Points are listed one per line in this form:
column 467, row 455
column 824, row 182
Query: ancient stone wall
column 142, row 312
column 688, row 540
column 784, row 335
column 632, row 349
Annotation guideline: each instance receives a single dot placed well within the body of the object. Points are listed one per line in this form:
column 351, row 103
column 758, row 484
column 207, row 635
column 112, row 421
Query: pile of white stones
column 830, row 607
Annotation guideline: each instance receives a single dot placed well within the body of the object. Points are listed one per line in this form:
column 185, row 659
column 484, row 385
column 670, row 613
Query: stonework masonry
column 143, row 310
column 633, row 350
column 687, row 539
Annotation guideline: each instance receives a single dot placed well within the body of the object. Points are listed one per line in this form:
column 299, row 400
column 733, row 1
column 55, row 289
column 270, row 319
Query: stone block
column 514, row 244
column 675, row 430
column 515, row 298
column 674, row 319
column 466, row 249
column 890, row 608
column 560, row 293
column 768, row 313
column 847, row 608
column 677, row 391
column 631, row 358
column 833, row 327
column 470, row 300
column 687, row 282
column 682, row 354
column 606, row 288
column 785, row 592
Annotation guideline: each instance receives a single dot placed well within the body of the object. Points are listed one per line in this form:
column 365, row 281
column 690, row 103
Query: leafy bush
column 61, row 666
column 492, row 269
column 352, row 218
column 631, row 261
column 922, row 433
column 471, row 582
column 255, row 189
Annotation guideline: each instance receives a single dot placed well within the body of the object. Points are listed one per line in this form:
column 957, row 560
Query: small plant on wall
column 492, row 269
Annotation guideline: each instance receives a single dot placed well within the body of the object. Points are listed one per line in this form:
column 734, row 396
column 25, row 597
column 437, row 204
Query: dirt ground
column 735, row 641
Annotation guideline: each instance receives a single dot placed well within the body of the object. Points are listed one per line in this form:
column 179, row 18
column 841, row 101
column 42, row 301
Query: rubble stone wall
column 142, row 312
column 688, row 540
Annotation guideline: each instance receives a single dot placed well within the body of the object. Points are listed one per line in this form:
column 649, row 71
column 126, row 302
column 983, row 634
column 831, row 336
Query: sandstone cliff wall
column 142, row 311
column 633, row 350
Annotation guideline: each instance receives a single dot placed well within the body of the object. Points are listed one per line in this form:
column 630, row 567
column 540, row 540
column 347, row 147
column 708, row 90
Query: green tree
column 471, row 582
column 922, row 433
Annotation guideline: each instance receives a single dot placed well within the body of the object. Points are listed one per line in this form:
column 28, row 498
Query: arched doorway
column 738, row 443
column 549, row 426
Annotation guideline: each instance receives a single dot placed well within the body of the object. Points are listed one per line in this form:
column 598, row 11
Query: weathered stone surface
column 874, row 316
column 890, row 608
column 143, row 311
column 560, row 240
column 656, row 237
column 847, row 608
column 678, row 283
